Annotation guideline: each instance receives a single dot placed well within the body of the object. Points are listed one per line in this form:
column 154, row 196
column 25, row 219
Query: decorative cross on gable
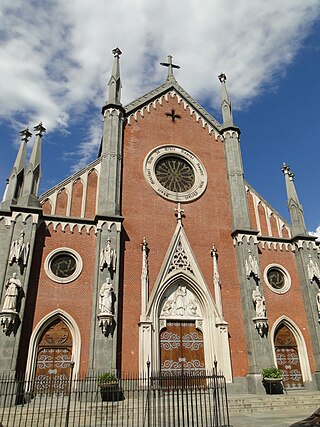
column 170, row 65
column 173, row 115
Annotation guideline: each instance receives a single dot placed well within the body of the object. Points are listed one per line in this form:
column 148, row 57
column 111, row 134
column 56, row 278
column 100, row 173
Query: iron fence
column 153, row 400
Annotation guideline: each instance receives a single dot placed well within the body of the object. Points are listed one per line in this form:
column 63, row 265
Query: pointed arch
column 180, row 266
column 38, row 331
column 302, row 348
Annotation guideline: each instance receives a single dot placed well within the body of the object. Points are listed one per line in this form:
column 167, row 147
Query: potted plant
column 109, row 386
column 274, row 378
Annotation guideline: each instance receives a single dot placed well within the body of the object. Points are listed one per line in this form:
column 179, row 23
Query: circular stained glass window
column 63, row 265
column 175, row 174
column 277, row 278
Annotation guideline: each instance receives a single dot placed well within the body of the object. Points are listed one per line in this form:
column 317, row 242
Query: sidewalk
column 270, row 418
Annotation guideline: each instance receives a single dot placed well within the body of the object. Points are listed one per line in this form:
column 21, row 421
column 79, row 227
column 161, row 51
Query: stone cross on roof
column 170, row 65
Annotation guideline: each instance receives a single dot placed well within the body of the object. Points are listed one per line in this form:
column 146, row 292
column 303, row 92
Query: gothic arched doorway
column 181, row 338
column 287, row 356
column 181, row 348
column 53, row 358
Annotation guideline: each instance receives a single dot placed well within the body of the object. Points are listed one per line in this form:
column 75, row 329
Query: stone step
column 284, row 402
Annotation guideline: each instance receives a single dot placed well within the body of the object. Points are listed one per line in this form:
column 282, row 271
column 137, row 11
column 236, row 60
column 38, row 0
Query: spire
column 32, row 172
column 225, row 102
column 294, row 205
column 170, row 66
column 115, row 81
column 15, row 180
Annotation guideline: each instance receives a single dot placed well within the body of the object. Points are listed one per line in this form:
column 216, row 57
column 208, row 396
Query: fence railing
column 153, row 400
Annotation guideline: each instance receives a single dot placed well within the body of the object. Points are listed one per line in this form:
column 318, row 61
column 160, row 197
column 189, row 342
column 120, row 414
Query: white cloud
column 316, row 233
column 56, row 56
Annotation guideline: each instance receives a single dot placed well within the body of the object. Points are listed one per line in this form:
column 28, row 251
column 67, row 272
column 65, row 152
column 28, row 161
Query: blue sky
column 269, row 51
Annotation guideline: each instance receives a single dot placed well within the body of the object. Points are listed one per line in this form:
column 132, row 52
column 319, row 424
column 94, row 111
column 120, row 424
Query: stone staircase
column 251, row 403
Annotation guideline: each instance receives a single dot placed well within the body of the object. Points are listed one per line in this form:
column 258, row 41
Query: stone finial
column 40, row 129
column 222, row 77
column 116, row 52
column 287, row 171
column 25, row 134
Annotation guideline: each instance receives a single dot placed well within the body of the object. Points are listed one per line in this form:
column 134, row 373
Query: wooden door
column 288, row 357
column 181, row 346
column 53, row 359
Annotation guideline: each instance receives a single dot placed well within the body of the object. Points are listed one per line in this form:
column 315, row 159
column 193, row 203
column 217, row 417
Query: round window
column 277, row 278
column 175, row 173
column 63, row 265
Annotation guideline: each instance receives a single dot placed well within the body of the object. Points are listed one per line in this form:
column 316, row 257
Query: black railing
column 154, row 400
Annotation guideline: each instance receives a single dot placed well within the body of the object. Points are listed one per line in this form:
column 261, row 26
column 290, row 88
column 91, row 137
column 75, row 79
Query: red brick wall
column 76, row 201
column 76, row 297
column 289, row 304
column 207, row 221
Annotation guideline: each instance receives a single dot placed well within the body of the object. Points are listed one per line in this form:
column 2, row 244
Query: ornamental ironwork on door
column 182, row 352
column 287, row 356
column 53, row 359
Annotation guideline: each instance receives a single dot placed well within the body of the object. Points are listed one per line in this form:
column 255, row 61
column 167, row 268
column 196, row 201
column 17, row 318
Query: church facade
column 158, row 251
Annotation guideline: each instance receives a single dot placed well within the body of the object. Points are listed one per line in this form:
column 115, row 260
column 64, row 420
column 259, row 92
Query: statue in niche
column 106, row 297
column 13, row 287
column 313, row 270
column 180, row 295
column 108, row 257
column 259, row 303
column 252, row 266
column 19, row 250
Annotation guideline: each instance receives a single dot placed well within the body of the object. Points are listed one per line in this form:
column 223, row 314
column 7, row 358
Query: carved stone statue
column 108, row 257
column 167, row 308
column 259, row 303
column 13, row 286
column 19, row 250
column 252, row 266
column 180, row 295
column 313, row 270
column 106, row 297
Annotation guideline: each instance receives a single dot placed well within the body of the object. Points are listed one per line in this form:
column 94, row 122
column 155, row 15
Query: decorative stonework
column 9, row 312
column 252, row 266
column 175, row 173
column 313, row 270
column 180, row 260
column 260, row 320
column 180, row 303
column 19, row 251
column 106, row 306
column 108, row 257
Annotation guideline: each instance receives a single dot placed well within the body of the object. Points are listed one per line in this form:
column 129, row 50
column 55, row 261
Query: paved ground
column 270, row 419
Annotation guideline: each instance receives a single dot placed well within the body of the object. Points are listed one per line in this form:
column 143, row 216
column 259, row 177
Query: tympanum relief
column 179, row 302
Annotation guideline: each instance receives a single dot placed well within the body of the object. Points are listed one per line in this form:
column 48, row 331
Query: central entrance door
column 288, row 357
column 53, row 359
column 181, row 347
